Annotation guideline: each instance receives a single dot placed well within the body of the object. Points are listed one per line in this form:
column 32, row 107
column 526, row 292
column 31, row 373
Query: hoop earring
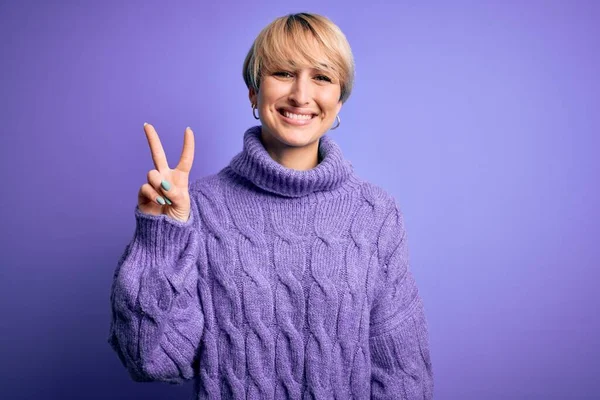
column 254, row 109
column 339, row 121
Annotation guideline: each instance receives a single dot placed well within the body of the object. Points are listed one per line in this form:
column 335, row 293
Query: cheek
column 271, row 91
column 268, row 104
column 331, row 108
column 331, row 100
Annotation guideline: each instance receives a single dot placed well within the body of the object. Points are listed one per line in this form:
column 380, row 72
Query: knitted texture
column 283, row 284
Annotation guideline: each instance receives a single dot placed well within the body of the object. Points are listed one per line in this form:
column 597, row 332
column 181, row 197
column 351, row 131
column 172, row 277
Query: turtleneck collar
column 255, row 164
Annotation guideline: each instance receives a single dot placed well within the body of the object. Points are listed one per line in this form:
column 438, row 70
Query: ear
column 252, row 96
column 338, row 107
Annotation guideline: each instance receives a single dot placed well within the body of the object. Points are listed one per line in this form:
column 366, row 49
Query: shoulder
column 379, row 198
column 207, row 194
column 208, row 181
column 219, row 184
column 386, row 217
column 388, row 214
column 213, row 186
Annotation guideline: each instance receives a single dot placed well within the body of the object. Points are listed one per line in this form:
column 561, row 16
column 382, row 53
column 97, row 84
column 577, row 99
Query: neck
column 330, row 170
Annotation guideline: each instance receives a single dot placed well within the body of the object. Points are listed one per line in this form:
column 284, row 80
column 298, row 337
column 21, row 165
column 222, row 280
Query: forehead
column 298, row 61
column 298, row 51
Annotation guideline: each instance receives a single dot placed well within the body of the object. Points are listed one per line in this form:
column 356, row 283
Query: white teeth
column 296, row 116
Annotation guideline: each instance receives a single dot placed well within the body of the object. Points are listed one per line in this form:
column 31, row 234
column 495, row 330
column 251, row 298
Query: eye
column 323, row 78
column 285, row 74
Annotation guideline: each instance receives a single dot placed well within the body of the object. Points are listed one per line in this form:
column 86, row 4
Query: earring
column 253, row 110
column 339, row 121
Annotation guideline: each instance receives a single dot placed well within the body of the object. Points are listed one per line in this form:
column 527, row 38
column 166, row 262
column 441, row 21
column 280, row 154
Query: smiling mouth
column 301, row 117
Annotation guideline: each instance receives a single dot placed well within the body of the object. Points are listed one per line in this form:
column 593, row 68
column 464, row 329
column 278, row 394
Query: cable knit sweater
column 283, row 284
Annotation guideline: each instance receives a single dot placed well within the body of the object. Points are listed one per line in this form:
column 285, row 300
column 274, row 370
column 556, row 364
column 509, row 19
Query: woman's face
column 312, row 93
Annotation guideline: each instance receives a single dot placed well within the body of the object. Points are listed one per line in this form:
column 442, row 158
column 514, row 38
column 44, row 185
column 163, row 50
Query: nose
column 300, row 90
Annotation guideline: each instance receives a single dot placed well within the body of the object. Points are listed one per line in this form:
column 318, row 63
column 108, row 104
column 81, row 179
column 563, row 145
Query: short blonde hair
column 299, row 39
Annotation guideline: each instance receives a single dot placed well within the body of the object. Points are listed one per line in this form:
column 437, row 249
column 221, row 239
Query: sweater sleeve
column 398, row 333
column 157, row 319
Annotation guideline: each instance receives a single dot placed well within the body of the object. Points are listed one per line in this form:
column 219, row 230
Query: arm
column 399, row 342
column 157, row 320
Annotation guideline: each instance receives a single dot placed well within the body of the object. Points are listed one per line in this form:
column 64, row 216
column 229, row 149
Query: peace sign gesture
column 167, row 189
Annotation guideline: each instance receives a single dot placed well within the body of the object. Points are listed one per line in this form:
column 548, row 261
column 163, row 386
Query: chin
column 295, row 136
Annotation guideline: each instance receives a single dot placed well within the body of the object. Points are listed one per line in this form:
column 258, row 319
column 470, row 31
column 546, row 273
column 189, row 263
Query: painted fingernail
column 166, row 185
column 160, row 201
column 168, row 201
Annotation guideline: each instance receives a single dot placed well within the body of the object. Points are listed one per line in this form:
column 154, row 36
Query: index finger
column 158, row 153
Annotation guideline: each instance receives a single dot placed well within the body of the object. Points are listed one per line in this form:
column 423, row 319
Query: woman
column 284, row 275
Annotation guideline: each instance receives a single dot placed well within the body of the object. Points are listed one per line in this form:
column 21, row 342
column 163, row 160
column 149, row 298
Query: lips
column 299, row 121
column 298, row 111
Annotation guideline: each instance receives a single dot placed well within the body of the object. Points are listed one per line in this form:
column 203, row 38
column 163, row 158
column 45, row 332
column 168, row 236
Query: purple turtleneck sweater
column 283, row 284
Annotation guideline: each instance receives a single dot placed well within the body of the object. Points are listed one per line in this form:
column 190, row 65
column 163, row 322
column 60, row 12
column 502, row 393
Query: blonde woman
column 284, row 275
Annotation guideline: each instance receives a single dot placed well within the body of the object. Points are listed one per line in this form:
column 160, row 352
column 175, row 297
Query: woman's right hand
column 178, row 179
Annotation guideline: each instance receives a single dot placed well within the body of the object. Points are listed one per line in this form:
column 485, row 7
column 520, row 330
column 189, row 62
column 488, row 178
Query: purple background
column 482, row 118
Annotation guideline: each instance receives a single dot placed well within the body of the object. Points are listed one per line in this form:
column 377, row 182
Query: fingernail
column 160, row 201
column 168, row 201
column 166, row 185
column 145, row 123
